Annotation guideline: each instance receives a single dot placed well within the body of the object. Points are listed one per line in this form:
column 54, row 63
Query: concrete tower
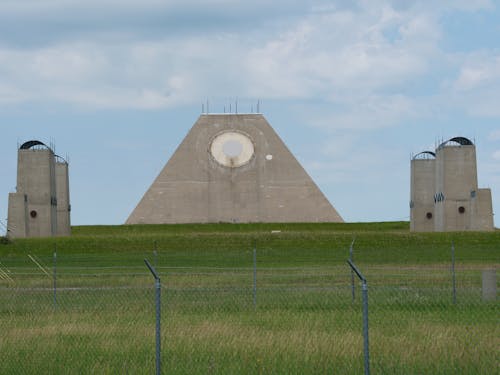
column 456, row 178
column 62, row 194
column 33, row 208
column 233, row 168
column 459, row 205
column 423, row 170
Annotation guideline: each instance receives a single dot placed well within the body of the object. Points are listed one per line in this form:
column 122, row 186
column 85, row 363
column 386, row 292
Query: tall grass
column 305, row 321
column 287, row 245
column 280, row 340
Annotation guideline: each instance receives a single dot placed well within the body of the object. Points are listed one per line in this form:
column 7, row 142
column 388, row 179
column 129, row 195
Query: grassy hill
column 277, row 244
column 298, row 316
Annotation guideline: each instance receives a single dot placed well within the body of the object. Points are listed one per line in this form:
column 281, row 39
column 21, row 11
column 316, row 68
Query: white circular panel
column 232, row 149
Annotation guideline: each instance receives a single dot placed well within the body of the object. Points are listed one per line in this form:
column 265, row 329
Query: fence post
column 365, row 328
column 489, row 284
column 155, row 254
column 255, row 275
column 353, row 288
column 453, row 279
column 366, row 346
column 55, row 276
column 158, row 316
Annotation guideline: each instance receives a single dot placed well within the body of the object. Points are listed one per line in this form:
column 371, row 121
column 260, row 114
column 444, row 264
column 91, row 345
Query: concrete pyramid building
column 232, row 168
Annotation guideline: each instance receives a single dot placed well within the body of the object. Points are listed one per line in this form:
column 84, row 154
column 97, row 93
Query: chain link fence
column 79, row 315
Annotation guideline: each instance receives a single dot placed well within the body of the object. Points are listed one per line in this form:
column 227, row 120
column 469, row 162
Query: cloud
column 496, row 155
column 321, row 53
column 11, row 95
column 329, row 54
column 31, row 23
column 360, row 57
column 93, row 75
column 366, row 113
column 494, row 135
column 477, row 86
column 469, row 6
column 480, row 70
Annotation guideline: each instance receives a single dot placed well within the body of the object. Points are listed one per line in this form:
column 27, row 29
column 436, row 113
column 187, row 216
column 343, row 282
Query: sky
column 354, row 88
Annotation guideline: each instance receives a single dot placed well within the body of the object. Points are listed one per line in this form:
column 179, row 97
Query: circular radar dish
column 232, row 149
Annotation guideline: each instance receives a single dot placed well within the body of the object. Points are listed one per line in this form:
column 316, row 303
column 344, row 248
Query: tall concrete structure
column 40, row 206
column 422, row 191
column 450, row 174
column 62, row 195
column 232, row 168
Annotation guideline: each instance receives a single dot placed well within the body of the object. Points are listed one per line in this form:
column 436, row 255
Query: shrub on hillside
column 4, row 240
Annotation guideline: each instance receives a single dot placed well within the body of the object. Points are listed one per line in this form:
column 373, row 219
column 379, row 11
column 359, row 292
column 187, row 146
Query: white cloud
column 365, row 112
column 476, row 87
column 357, row 57
column 324, row 54
column 496, row 155
column 343, row 51
column 94, row 75
column 478, row 71
column 470, row 6
column 494, row 135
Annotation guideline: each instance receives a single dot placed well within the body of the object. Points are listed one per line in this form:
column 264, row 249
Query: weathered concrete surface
column 489, row 284
column 482, row 211
column 422, row 192
column 458, row 203
column 63, row 202
column 456, row 178
column 33, row 209
column 18, row 216
column 35, row 178
column 194, row 187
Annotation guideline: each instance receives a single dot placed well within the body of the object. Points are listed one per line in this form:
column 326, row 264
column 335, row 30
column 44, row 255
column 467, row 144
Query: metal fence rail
column 249, row 320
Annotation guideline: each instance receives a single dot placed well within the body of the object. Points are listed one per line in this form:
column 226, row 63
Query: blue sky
column 352, row 87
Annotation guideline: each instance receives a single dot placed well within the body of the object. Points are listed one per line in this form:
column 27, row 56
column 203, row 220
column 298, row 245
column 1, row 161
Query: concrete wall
column 41, row 183
column 458, row 203
column 194, row 187
column 456, row 177
column 63, row 202
column 18, row 216
column 35, row 178
column 422, row 192
column 482, row 210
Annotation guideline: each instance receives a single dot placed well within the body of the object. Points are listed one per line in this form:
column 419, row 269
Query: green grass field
column 305, row 320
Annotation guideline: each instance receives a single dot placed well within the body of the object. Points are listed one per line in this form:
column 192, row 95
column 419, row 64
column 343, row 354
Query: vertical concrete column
column 489, row 284
column 17, row 222
column 63, row 203
column 36, row 179
column 41, row 183
column 456, row 178
column 422, row 191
